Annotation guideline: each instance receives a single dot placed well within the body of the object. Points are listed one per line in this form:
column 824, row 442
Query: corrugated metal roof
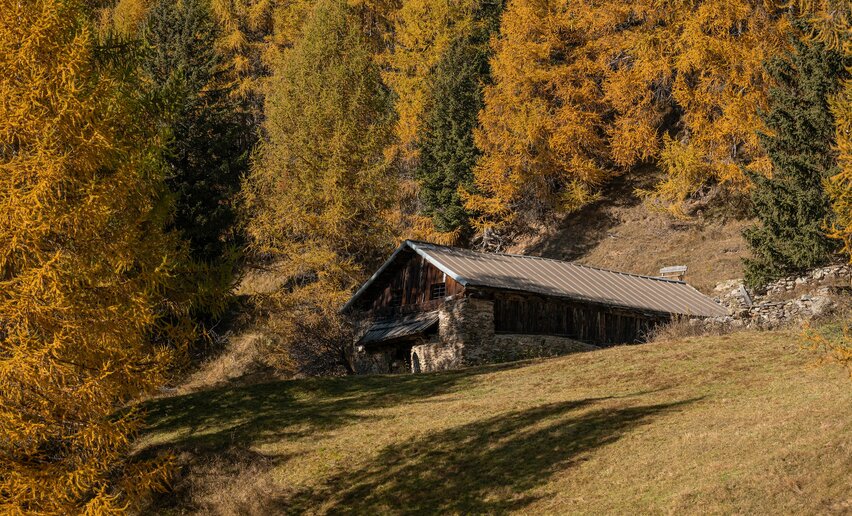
column 561, row 279
column 395, row 328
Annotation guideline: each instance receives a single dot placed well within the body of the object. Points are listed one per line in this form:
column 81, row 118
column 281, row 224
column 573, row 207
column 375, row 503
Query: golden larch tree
column 840, row 186
column 541, row 131
column 253, row 32
column 719, row 84
column 422, row 31
column 587, row 90
column 85, row 269
column 123, row 16
column 320, row 193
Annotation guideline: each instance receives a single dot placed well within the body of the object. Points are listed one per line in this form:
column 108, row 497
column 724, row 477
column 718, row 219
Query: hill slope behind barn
column 620, row 232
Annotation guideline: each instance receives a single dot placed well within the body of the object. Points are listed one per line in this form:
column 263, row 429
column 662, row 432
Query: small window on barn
column 438, row 290
column 396, row 297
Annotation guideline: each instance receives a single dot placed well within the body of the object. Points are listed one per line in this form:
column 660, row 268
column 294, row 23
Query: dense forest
column 150, row 149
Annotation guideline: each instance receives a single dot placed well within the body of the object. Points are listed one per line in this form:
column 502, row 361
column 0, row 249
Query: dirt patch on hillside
column 622, row 233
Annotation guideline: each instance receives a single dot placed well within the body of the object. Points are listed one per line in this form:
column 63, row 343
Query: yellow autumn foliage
column 253, row 32
column 422, row 32
column 837, row 349
column 86, row 271
column 124, row 16
column 540, row 130
column 839, row 186
column 250, row 32
column 317, row 199
column 585, row 90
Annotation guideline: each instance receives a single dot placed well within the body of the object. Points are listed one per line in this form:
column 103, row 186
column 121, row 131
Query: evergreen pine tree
column 448, row 152
column 791, row 206
column 210, row 133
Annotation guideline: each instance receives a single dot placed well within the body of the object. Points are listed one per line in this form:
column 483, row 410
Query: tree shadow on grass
column 213, row 432
column 234, row 480
column 488, row 466
column 257, row 414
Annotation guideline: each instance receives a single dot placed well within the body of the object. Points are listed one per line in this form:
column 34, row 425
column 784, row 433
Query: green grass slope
column 741, row 423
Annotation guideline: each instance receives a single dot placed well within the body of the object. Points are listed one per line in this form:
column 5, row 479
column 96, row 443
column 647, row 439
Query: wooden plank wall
column 585, row 322
column 413, row 280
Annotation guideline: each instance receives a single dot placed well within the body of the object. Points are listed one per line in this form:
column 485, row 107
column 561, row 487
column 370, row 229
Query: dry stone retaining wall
column 510, row 347
column 814, row 277
column 762, row 309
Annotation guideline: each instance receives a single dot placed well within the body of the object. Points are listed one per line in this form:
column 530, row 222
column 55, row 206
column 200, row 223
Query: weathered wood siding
column 584, row 322
column 410, row 284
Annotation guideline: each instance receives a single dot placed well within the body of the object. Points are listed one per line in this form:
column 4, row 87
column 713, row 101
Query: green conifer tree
column 210, row 134
column 448, row 152
column 791, row 206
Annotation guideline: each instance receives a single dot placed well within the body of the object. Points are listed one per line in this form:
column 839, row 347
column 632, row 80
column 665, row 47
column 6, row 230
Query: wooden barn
column 432, row 307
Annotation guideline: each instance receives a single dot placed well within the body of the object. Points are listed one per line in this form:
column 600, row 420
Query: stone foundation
column 466, row 327
column 377, row 361
column 465, row 337
column 440, row 356
column 511, row 347
column 434, row 356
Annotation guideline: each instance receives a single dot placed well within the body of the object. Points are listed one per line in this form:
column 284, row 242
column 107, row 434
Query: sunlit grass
column 736, row 423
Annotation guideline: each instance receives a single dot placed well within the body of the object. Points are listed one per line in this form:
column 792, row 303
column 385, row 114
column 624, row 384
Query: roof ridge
column 515, row 255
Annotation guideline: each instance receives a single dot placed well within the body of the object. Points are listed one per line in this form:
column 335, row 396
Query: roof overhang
column 396, row 328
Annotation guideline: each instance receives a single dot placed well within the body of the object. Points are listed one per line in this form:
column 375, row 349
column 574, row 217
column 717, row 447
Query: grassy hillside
column 619, row 232
column 740, row 423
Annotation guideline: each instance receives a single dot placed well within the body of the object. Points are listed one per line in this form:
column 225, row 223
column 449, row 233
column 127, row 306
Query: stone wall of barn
column 372, row 362
column 465, row 337
column 510, row 347
column 378, row 360
column 434, row 355
column 466, row 326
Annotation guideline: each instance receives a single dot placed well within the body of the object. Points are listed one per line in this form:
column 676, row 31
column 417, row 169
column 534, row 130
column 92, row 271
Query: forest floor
column 739, row 423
